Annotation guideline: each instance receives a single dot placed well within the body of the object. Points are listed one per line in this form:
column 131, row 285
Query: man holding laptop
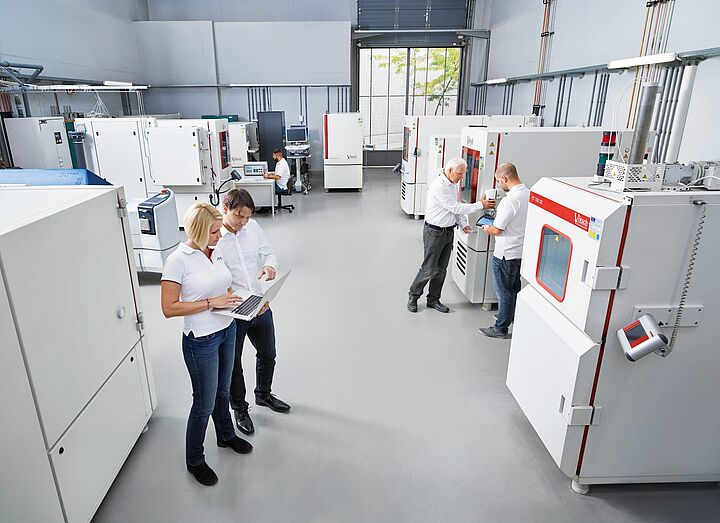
column 250, row 258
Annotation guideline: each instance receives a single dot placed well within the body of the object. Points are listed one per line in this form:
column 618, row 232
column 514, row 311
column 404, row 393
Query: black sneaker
column 203, row 474
column 239, row 445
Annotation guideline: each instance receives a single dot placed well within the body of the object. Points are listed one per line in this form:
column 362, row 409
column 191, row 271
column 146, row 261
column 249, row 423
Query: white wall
column 79, row 39
column 590, row 33
column 253, row 10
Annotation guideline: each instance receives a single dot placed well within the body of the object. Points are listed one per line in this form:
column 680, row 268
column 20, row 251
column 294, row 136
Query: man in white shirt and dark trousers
column 443, row 212
column 281, row 175
column 509, row 231
column 249, row 256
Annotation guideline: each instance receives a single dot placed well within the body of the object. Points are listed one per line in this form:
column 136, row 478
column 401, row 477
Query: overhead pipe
column 681, row 112
column 646, row 106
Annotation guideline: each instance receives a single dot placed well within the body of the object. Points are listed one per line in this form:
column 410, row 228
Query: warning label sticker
column 595, row 228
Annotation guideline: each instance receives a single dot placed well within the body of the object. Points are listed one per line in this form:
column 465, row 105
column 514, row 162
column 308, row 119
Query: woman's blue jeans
column 209, row 361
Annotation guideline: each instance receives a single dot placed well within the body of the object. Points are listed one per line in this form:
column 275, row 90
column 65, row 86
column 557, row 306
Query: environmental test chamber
column 599, row 264
column 417, row 131
column 536, row 152
column 343, row 151
column 75, row 376
column 38, row 143
column 244, row 144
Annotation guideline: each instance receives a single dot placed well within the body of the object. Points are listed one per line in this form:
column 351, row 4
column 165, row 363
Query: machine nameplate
column 567, row 214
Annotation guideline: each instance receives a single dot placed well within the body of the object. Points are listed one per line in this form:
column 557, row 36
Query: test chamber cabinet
column 342, row 150
column 38, row 143
column 417, row 131
column 536, row 152
column 244, row 143
column 75, row 376
column 596, row 261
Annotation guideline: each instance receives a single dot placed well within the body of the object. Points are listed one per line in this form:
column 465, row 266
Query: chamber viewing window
column 554, row 262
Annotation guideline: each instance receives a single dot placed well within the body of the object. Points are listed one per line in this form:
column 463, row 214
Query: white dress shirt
column 282, row 169
column 443, row 207
column 245, row 253
column 199, row 279
column 510, row 217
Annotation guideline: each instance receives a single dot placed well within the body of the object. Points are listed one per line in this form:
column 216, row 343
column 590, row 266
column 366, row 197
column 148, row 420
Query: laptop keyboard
column 247, row 306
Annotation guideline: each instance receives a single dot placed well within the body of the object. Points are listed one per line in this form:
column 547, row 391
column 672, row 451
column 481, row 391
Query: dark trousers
column 437, row 245
column 261, row 332
column 506, row 277
column 209, row 361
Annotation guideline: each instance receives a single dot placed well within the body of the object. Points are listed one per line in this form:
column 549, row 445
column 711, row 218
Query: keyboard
column 247, row 306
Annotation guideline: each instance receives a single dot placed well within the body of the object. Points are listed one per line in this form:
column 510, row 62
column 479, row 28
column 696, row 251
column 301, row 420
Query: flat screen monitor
column 296, row 134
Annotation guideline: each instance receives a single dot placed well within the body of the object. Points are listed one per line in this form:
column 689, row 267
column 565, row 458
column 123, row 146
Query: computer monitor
column 296, row 134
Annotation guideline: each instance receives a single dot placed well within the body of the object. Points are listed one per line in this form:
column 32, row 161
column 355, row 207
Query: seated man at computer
column 281, row 175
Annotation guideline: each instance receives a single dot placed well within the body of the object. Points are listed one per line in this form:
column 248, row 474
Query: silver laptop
column 251, row 305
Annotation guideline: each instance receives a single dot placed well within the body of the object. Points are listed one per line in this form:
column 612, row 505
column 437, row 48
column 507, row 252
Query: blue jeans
column 261, row 332
column 209, row 361
column 506, row 277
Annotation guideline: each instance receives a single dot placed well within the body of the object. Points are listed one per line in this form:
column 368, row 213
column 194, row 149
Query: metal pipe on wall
column 592, row 98
column 567, row 107
column 660, row 109
column 665, row 111
column 671, row 111
column 681, row 112
column 646, row 106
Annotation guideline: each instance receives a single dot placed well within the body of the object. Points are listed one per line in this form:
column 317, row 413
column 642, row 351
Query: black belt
column 437, row 228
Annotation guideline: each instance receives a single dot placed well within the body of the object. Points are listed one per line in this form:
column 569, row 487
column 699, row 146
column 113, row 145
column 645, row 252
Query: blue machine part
column 43, row 177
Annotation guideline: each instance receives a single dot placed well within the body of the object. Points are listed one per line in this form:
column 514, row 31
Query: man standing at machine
column 281, row 174
column 249, row 256
column 443, row 212
column 509, row 231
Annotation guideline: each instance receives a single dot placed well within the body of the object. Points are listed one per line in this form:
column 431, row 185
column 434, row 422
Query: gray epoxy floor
column 396, row 417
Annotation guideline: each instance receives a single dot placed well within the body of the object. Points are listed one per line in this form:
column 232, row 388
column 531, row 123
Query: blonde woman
column 195, row 281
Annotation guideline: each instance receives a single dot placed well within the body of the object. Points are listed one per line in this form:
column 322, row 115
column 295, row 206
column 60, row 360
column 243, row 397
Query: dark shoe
column 272, row 402
column 438, row 307
column 412, row 304
column 492, row 332
column 203, row 474
column 244, row 423
column 239, row 445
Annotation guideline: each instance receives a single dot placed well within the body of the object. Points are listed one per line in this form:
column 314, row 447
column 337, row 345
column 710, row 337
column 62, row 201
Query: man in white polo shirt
column 281, row 175
column 509, row 231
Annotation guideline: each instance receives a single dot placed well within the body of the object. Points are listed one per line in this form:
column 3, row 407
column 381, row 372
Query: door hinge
column 140, row 324
column 122, row 208
column 580, row 415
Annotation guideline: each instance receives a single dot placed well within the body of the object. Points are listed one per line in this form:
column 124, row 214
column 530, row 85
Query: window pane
column 379, row 122
column 398, row 71
column 365, row 113
column 380, row 71
column 554, row 263
column 365, row 72
column 397, row 112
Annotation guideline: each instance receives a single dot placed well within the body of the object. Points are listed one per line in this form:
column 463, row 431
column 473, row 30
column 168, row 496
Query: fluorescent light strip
column 497, row 81
column 637, row 61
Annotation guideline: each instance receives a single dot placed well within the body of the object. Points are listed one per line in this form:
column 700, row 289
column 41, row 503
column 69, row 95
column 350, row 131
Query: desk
column 261, row 189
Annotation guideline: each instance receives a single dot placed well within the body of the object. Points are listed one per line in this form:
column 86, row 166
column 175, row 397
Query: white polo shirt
column 510, row 216
column 199, row 279
column 245, row 253
column 282, row 169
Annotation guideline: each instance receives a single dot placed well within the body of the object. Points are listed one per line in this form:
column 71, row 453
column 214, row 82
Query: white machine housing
column 75, row 375
column 343, row 150
column 116, row 149
column 38, row 143
column 595, row 261
column 536, row 152
column 416, row 141
column 243, row 142
column 442, row 148
column 155, row 230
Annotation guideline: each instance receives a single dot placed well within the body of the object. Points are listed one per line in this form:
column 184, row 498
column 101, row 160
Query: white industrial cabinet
column 342, row 141
column 243, row 142
column 116, row 150
column 75, row 378
column 417, row 132
column 38, row 143
column 595, row 261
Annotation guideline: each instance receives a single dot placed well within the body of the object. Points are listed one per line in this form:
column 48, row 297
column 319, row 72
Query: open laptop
column 251, row 305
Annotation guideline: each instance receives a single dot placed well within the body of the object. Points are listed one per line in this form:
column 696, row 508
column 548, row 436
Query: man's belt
column 438, row 228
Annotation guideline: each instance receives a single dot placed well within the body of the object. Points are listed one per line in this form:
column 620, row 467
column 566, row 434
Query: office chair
column 280, row 194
